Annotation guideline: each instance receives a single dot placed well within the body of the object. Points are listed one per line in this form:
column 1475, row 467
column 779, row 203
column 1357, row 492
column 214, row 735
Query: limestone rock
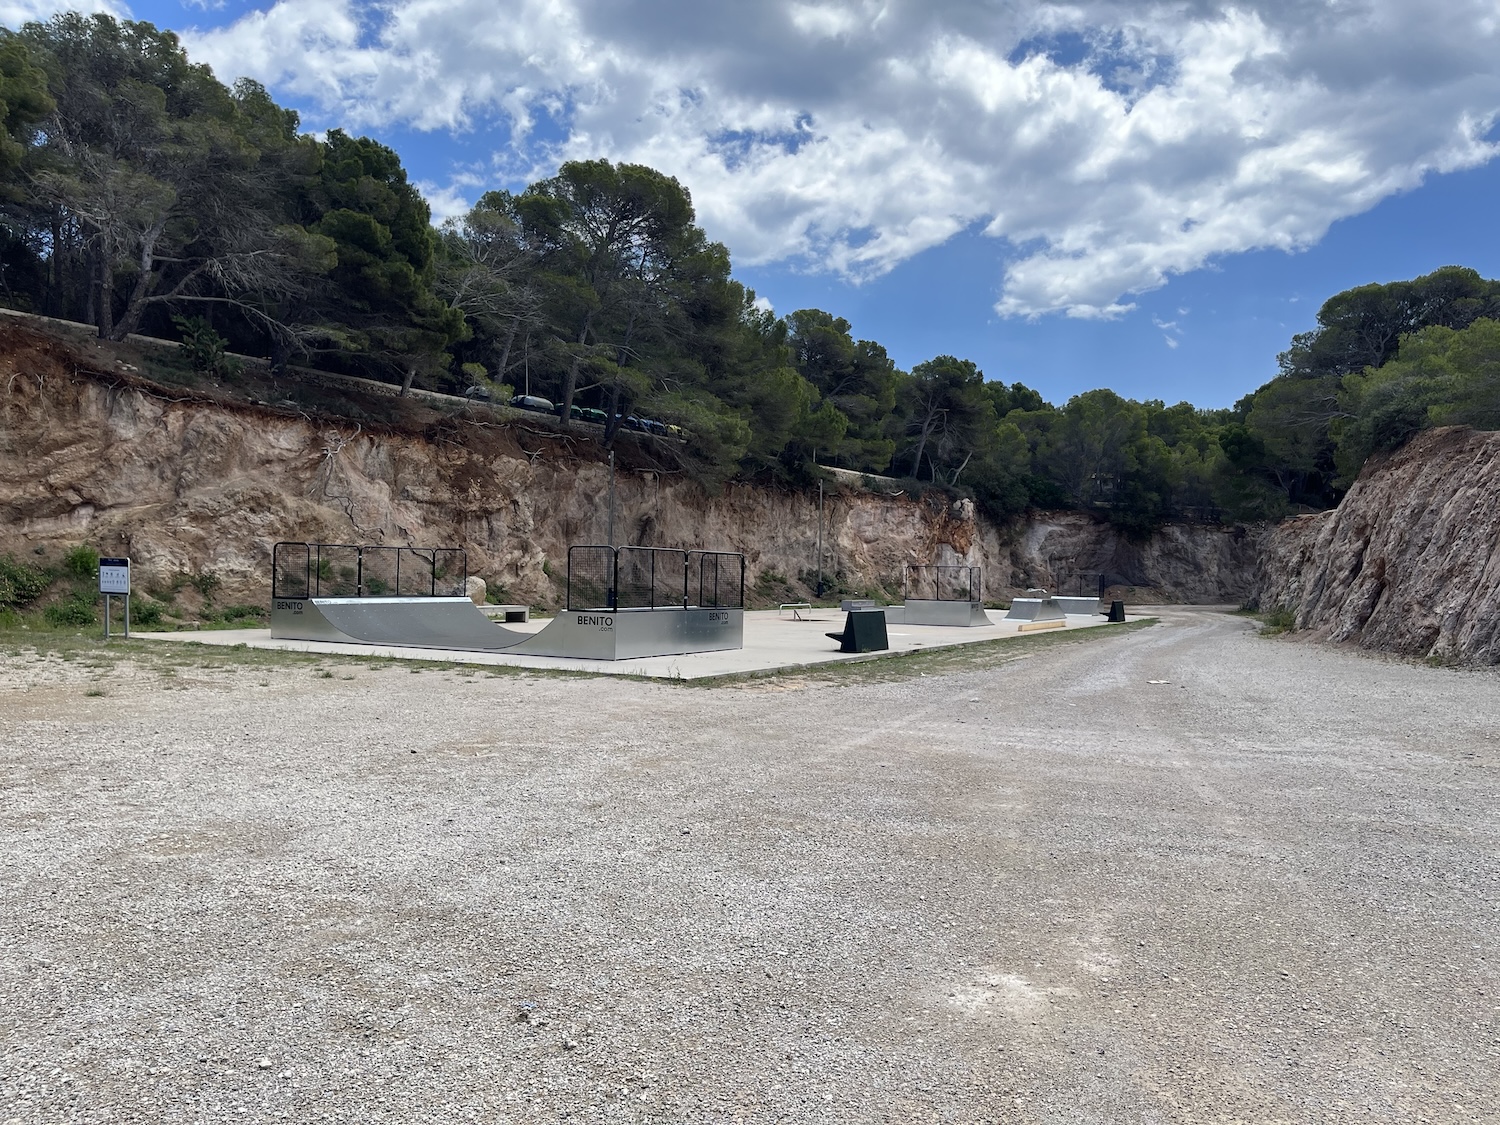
column 1407, row 563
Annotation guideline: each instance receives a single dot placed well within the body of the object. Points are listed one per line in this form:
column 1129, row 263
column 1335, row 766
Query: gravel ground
column 1051, row 891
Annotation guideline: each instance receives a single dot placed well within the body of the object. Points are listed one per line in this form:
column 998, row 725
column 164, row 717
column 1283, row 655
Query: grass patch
column 898, row 667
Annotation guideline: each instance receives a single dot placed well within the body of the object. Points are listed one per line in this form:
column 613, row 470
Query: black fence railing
column 347, row 570
column 611, row 578
column 942, row 583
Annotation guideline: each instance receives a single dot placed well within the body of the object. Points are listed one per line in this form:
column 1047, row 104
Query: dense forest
column 139, row 194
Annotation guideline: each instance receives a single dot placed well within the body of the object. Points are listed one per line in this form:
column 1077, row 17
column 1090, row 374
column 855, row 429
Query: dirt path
column 1264, row 890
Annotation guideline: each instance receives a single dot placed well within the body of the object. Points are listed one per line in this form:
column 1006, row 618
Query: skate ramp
column 923, row 611
column 458, row 624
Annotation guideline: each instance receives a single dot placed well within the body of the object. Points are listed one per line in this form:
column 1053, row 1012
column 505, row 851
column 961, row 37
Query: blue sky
column 1099, row 193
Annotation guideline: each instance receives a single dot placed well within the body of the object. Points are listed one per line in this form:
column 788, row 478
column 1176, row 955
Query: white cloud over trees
column 1106, row 146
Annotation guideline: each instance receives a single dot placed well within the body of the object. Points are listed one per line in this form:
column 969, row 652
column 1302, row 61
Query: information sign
column 114, row 576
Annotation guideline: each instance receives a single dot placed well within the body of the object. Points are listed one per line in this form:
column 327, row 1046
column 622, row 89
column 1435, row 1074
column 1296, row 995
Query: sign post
column 114, row 580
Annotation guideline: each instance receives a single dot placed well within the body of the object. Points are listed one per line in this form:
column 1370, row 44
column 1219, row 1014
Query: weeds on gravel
column 1277, row 621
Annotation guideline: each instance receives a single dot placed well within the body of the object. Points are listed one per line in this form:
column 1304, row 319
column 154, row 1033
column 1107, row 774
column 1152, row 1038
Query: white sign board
column 114, row 576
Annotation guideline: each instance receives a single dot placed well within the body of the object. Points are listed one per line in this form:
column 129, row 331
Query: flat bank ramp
column 455, row 623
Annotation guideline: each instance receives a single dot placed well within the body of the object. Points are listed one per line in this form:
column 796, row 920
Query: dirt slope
column 183, row 482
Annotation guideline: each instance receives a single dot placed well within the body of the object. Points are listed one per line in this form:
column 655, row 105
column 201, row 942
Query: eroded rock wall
column 187, row 486
column 1408, row 562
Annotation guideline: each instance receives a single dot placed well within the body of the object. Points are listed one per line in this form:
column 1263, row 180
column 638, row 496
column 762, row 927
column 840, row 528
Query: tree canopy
column 140, row 194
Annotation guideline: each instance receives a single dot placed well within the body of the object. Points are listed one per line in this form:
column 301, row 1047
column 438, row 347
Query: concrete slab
column 772, row 642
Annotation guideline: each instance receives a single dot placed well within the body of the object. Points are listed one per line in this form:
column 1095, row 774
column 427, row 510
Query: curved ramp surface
column 413, row 622
column 458, row 624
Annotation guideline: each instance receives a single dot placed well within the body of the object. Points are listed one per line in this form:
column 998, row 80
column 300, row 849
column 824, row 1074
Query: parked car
column 646, row 425
column 532, row 402
column 480, row 394
column 586, row 414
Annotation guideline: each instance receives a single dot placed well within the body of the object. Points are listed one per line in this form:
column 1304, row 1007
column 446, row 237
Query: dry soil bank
column 1181, row 874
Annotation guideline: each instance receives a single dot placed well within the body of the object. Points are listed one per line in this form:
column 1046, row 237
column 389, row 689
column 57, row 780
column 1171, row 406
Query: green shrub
column 81, row 562
column 205, row 582
column 240, row 612
column 146, row 613
column 1278, row 620
column 76, row 610
column 20, row 584
column 205, row 349
column 375, row 586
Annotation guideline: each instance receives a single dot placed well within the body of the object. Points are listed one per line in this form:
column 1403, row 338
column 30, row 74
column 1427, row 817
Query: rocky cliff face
column 186, row 485
column 1408, row 562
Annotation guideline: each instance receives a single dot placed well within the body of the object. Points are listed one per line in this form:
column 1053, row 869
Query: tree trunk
column 411, row 375
column 612, row 423
column 571, row 383
column 927, row 427
column 510, row 338
column 135, row 306
column 105, row 297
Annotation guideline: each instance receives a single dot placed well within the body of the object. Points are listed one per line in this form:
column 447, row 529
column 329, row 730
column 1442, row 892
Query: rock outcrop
column 186, row 485
column 1408, row 562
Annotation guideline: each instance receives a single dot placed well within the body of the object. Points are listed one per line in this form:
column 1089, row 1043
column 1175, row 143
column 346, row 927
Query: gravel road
column 1056, row 890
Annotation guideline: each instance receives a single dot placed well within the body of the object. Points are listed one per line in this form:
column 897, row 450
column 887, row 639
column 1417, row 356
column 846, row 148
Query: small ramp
column 928, row 611
column 1034, row 610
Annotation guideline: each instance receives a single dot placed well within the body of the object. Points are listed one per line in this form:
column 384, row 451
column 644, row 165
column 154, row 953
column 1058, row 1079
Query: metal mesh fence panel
column 450, row 571
column 716, row 580
column 344, row 570
column 291, row 570
column 943, row 583
column 427, row 572
column 651, row 578
column 379, row 576
column 591, row 578
column 336, row 570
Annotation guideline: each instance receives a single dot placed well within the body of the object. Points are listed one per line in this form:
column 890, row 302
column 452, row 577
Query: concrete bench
column 856, row 603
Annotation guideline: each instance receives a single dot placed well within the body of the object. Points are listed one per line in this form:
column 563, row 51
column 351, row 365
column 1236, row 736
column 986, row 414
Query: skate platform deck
column 771, row 642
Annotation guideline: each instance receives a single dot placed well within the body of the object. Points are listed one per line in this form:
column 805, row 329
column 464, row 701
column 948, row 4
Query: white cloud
column 13, row 13
column 1106, row 145
column 446, row 202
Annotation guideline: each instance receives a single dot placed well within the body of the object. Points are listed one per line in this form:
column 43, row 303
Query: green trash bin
column 1117, row 611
